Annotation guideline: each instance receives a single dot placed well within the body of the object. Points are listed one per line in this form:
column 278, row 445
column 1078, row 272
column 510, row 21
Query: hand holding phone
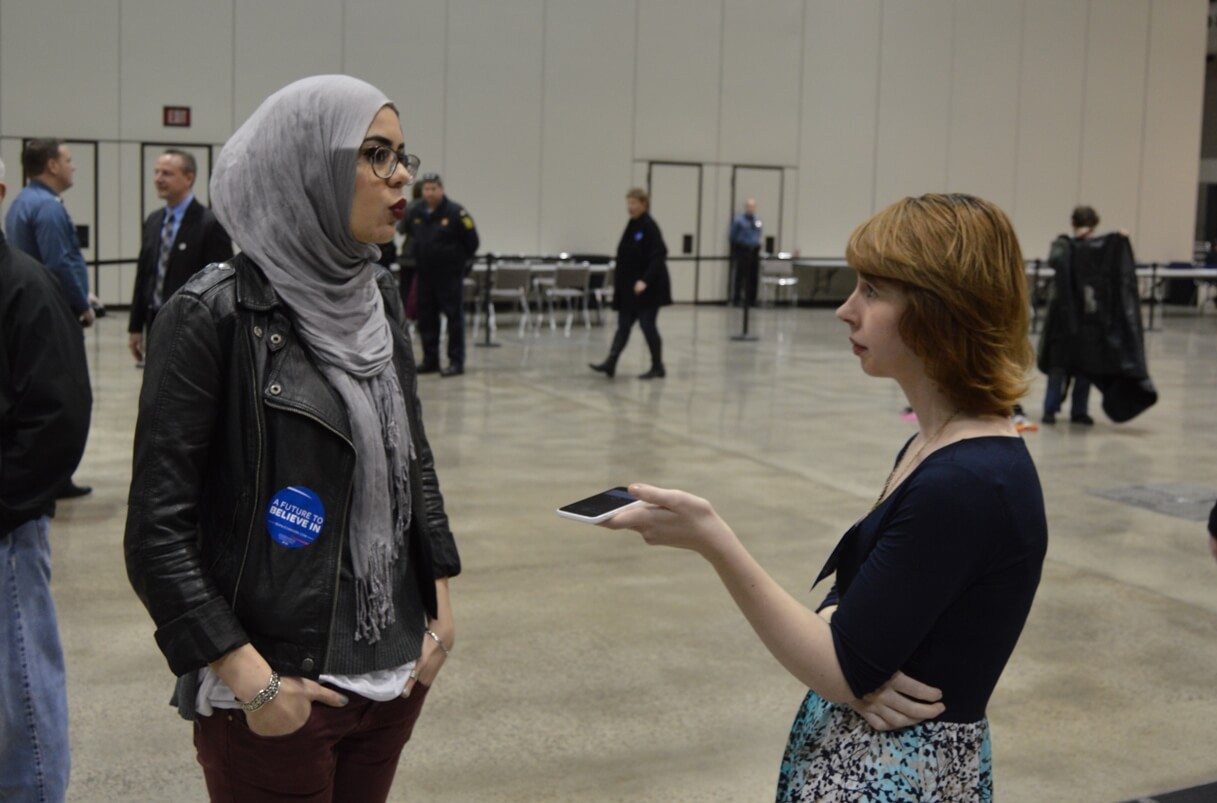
column 601, row 507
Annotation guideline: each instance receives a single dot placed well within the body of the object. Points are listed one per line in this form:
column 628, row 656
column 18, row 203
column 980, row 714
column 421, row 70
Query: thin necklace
column 888, row 483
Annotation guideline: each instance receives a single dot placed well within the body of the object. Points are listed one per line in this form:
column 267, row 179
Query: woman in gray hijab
column 285, row 528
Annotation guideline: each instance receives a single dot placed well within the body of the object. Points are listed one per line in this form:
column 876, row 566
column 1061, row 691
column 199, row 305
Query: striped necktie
column 162, row 261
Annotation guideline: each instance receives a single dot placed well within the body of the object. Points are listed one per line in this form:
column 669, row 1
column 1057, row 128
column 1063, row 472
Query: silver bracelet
column 438, row 640
column 263, row 697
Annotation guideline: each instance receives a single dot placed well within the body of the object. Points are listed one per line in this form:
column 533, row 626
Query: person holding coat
column 641, row 286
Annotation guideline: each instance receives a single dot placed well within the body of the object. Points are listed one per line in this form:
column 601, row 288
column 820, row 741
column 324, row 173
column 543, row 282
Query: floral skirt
column 834, row 755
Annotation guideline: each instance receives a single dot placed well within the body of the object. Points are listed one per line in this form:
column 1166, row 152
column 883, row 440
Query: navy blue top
column 938, row 580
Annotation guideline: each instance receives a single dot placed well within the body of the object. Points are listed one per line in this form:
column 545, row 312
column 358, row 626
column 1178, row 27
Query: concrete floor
column 590, row 667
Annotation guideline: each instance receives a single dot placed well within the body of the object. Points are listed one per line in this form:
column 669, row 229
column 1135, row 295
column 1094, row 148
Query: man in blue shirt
column 39, row 225
column 745, row 253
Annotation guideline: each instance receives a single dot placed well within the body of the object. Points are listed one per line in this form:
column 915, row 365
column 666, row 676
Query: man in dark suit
column 179, row 241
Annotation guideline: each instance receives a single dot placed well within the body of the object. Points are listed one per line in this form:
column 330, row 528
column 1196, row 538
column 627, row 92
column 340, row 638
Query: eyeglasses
column 384, row 162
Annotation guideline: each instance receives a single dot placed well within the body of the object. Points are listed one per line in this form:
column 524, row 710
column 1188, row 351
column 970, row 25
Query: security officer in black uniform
column 445, row 241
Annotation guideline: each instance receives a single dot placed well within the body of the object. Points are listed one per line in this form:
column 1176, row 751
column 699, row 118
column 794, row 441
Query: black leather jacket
column 232, row 411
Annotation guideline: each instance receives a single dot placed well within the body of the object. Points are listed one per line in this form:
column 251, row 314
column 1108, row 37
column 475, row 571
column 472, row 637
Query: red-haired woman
column 935, row 581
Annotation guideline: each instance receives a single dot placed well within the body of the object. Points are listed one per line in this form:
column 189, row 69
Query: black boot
column 609, row 366
column 657, row 371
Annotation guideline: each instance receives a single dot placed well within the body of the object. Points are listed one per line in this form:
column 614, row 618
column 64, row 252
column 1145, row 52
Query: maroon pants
column 340, row 755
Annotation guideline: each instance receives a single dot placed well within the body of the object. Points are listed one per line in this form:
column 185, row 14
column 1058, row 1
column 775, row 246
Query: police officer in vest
column 445, row 240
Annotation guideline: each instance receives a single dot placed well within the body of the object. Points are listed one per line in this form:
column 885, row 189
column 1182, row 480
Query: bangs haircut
column 959, row 265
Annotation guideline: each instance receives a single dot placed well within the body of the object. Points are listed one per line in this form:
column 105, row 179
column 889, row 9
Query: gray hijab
column 283, row 187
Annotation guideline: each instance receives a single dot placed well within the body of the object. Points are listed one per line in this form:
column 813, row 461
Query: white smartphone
column 601, row 507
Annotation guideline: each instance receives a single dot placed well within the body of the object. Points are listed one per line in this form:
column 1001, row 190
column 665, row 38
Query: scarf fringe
column 399, row 477
column 374, row 609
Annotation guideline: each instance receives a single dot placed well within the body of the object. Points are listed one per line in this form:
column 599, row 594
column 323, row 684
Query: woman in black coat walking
column 641, row 286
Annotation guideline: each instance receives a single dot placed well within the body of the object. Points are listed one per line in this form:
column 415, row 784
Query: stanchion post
column 743, row 335
column 1035, row 287
column 1153, row 293
column 487, row 279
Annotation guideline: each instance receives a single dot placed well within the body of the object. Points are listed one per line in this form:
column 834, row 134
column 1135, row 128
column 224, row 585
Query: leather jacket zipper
column 249, row 534
column 329, row 634
column 341, row 523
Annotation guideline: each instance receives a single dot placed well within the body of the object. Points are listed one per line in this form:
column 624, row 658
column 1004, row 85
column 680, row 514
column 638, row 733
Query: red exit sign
column 177, row 116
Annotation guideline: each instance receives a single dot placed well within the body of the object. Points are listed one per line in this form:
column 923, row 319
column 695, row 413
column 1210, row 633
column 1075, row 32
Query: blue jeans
column 34, row 757
column 1056, row 394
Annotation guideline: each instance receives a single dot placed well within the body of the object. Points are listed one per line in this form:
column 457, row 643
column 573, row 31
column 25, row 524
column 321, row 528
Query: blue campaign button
column 637, row 236
column 295, row 517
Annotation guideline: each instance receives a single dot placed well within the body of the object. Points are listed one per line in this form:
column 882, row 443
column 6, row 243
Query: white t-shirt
column 382, row 685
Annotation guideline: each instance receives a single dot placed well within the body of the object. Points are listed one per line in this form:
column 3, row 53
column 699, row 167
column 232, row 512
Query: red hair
column 959, row 263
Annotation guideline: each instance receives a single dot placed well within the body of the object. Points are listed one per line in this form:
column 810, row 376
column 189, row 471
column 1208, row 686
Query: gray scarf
column 282, row 187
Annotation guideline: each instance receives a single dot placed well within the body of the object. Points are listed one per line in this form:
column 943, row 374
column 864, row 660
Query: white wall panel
column 540, row 113
column 678, row 207
column 984, row 99
column 399, row 46
column 1171, row 148
column 59, row 69
column 718, row 190
column 107, row 238
column 587, row 125
column 280, row 41
column 715, row 226
column 130, row 233
column 1049, row 121
column 1113, row 110
column 638, row 174
column 493, row 154
column 836, row 179
column 110, row 219
column 677, row 88
column 761, row 64
column 790, row 210
column 176, row 53
column 914, row 99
